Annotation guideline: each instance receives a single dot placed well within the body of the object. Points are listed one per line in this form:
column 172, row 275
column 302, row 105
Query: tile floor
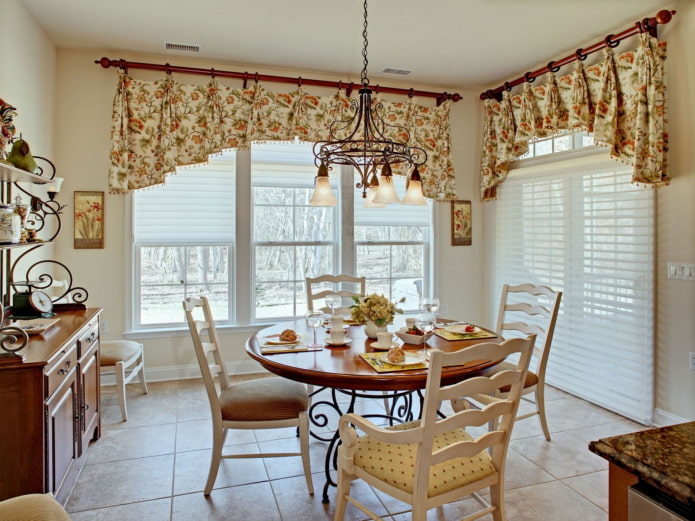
column 153, row 467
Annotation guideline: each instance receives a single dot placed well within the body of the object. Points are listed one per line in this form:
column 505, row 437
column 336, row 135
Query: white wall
column 84, row 93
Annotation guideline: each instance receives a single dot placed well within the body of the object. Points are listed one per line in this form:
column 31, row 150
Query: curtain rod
column 245, row 76
column 612, row 40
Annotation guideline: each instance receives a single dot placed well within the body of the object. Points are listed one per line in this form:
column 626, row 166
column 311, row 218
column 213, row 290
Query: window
column 241, row 231
column 579, row 226
column 291, row 239
column 392, row 247
column 184, row 243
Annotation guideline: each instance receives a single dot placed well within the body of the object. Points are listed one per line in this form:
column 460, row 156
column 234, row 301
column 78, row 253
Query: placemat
column 450, row 335
column 385, row 367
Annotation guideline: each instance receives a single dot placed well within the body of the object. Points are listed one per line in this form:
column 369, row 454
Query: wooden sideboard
column 49, row 407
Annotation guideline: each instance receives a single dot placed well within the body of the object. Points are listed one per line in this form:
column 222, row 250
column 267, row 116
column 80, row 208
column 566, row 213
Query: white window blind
column 582, row 228
column 197, row 205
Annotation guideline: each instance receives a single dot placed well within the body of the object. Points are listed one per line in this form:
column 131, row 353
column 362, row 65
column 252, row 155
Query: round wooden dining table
column 345, row 373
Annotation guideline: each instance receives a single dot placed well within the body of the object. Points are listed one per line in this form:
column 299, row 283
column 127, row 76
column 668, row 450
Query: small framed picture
column 89, row 220
column 461, row 223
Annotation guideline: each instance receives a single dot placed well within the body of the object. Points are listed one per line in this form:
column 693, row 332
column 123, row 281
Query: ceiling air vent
column 399, row 72
column 182, row 47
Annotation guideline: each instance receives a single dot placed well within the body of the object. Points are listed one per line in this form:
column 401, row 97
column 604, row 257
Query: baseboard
column 186, row 372
column 664, row 418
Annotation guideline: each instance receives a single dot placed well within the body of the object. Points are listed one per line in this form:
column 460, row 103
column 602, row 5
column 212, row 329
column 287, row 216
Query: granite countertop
column 664, row 458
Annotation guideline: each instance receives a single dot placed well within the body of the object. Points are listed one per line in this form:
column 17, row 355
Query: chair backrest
column 500, row 413
column 527, row 309
column 206, row 342
column 317, row 288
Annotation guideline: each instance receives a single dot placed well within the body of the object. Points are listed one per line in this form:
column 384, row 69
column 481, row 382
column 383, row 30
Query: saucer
column 345, row 341
column 376, row 345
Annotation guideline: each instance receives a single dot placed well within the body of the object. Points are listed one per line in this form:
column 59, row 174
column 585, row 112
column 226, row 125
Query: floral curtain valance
column 159, row 125
column 622, row 100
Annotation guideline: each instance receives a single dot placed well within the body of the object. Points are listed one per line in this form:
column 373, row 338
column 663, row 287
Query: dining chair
column 32, row 507
column 434, row 461
column 124, row 358
column 526, row 309
column 317, row 288
column 263, row 403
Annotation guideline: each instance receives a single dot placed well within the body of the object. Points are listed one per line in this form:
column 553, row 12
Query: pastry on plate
column 289, row 335
column 395, row 355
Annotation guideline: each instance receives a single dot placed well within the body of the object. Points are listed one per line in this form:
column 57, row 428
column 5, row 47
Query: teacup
column 384, row 339
column 410, row 322
column 337, row 335
column 336, row 322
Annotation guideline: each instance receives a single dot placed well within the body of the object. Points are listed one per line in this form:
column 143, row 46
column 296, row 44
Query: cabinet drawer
column 88, row 339
column 59, row 371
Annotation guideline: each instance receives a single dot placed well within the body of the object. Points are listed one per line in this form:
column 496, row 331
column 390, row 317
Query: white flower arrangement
column 376, row 308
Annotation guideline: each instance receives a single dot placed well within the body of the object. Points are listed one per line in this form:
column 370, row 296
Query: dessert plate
column 410, row 359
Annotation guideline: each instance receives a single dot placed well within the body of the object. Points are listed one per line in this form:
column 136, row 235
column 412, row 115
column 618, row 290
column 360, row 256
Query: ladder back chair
column 317, row 288
column 526, row 309
column 263, row 403
column 434, row 461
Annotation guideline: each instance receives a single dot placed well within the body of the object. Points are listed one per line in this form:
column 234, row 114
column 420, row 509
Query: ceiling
column 456, row 44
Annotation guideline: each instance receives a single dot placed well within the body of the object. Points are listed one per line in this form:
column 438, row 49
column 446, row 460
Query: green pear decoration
column 20, row 156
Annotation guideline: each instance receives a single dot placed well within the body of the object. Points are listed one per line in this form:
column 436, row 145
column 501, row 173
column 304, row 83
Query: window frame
column 242, row 253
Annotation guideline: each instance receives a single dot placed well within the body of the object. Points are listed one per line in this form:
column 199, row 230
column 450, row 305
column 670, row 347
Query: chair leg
column 120, row 389
column 540, row 404
column 218, row 436
column 141, row 373
column 497, row 501
column 304, row 447
column 342, row 492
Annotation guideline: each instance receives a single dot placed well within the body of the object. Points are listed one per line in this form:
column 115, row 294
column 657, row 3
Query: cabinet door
column 89, row 394
column 61, row 437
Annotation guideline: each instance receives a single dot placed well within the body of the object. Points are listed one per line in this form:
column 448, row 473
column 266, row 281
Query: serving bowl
column 413, row 339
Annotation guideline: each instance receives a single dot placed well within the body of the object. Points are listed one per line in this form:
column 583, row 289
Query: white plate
column 410, row 359
column 275, row 341
column 461, row 329
column 376, row 345
column 345, row 341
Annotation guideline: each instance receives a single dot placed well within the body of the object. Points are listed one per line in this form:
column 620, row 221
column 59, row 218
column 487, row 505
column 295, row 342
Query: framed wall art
column 461, row 223
column 89, row 220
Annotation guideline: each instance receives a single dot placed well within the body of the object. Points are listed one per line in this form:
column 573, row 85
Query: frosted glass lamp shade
column 323, row 194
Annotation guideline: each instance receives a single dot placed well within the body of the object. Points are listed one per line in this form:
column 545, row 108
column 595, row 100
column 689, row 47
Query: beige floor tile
column 192, row 468
column 122, row 482
column 156, row 510
column 563, row 457
column 242, row 503
column 593, row 486
column 551, row 501
column 140, row 477
column 135, row 442
column 197, row 435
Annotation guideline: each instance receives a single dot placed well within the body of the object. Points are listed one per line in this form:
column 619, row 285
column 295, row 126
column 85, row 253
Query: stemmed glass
column 314, row 319
column 425, row 322
column 430, row 305
column 333, row 301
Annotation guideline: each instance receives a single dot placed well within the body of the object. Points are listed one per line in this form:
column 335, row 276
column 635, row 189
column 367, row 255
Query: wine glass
column 425, row 322
column 333, row 301
column 430, row 305
column 314, row 319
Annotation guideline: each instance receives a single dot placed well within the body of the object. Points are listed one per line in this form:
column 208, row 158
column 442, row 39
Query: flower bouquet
column 375, row 308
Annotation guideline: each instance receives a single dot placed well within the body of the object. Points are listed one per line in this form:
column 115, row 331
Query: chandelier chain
column 365, row 80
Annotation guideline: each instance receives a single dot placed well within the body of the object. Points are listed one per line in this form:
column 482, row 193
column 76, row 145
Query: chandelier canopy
column 362, row 142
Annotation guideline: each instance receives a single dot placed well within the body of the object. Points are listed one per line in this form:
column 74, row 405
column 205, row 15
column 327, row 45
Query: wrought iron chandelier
column 361, row 142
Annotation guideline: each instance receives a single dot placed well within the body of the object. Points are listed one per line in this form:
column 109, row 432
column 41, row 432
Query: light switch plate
column 680, row 271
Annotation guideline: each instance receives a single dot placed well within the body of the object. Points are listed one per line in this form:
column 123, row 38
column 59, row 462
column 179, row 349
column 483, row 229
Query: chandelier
column 361, row 142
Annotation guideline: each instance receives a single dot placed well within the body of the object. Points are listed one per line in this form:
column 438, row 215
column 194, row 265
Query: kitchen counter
column 662, row 458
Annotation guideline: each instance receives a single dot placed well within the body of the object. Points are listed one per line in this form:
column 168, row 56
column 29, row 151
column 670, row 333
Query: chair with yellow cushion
column 435, row 461
column 263, row 403
column 124, row 358
column 32, row 507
